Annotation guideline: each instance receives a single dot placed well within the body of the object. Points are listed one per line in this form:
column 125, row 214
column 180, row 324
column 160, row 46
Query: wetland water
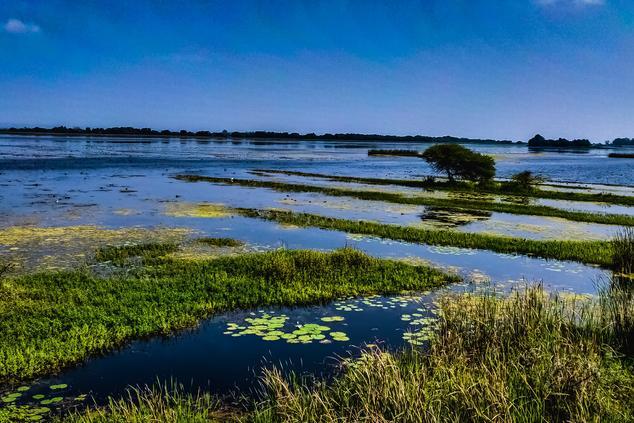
column 118, row 184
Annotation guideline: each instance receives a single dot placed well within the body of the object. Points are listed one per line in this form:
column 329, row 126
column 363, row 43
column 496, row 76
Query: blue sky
column 477, row 68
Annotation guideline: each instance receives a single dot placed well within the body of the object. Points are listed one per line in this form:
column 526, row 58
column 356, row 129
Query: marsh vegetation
column 447, row 203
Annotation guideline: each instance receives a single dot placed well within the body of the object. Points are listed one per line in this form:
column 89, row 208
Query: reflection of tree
column 453, row 218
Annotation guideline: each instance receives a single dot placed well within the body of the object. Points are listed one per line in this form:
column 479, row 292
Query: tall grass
column 54, row 319
column 159, row 403
column 623, row 251
column 595, row 252
column 529, row 358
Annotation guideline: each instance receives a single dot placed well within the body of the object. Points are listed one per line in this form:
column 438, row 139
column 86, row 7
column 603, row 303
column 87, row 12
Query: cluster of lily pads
column 33, row 407
column 376, row 301
column 426, row 326
column 271, row 327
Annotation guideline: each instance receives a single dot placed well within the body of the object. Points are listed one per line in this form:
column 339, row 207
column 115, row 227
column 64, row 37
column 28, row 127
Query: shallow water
column 120, row 185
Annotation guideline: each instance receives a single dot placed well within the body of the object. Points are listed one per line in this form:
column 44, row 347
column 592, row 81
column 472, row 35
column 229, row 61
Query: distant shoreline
column 257, row 135
column 151, row 134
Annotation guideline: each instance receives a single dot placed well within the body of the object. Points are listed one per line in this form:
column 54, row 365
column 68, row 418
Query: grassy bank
column 468, row 187
column 529, row 358
column 594, row 252
column 50, row 320
column 445, row 203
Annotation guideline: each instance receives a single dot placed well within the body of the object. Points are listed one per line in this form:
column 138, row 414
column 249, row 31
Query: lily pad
column 59, row 386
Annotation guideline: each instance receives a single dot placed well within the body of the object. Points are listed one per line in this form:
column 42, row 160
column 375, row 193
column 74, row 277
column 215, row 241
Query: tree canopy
column 460, row 162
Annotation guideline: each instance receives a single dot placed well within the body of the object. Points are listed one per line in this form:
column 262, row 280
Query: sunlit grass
column 531, row 358
column 54, row 319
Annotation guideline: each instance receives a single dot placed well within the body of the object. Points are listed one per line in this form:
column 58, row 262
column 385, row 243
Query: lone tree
column 460, row 162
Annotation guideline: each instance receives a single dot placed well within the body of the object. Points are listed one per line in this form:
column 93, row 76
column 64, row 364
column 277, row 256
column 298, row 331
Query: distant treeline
column 404, row 153
column 149, row 132
column 621, row 156
column 539, row 141
column 623, row 142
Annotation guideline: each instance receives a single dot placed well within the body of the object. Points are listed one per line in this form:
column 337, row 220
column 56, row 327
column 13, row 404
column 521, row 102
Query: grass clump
column 594, row 252
column 529, row 358
column 220, row 242
column 446, row 203
column 120, row 255
column 54, row 319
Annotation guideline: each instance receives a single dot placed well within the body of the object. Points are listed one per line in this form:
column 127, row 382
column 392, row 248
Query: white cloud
column 16, row 26
column 577, row 3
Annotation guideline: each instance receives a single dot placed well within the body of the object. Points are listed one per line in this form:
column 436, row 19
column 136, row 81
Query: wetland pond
column 61, row 197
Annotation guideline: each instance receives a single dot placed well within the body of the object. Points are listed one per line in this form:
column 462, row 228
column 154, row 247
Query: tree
column 523, row 181
column 460, row 162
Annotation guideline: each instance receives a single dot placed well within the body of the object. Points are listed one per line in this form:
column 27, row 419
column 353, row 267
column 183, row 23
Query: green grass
column 54, row 319
column 445, row 203
column 623, row 251
column 161, row 403
column 592, row 252
column 220, row 242
column 120, row 255
column 493, row 188
column 530, row 358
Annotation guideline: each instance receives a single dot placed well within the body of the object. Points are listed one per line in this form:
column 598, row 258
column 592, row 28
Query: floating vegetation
column 22, row 408
column 451, row 251
column 376, row 301
column 328, row 319
column 205, row 210
column 271, row 327
column 63, row 247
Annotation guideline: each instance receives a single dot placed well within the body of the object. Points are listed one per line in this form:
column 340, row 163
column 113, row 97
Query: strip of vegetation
column 501, row 188
column 446, row 203
column 54, row 319
column 402, row 153
column 220, row 242
column 532, row 358
column 621, row 156
column 593, row 252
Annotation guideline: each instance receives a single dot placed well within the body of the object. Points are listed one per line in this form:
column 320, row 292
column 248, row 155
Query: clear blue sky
column 477, row 68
